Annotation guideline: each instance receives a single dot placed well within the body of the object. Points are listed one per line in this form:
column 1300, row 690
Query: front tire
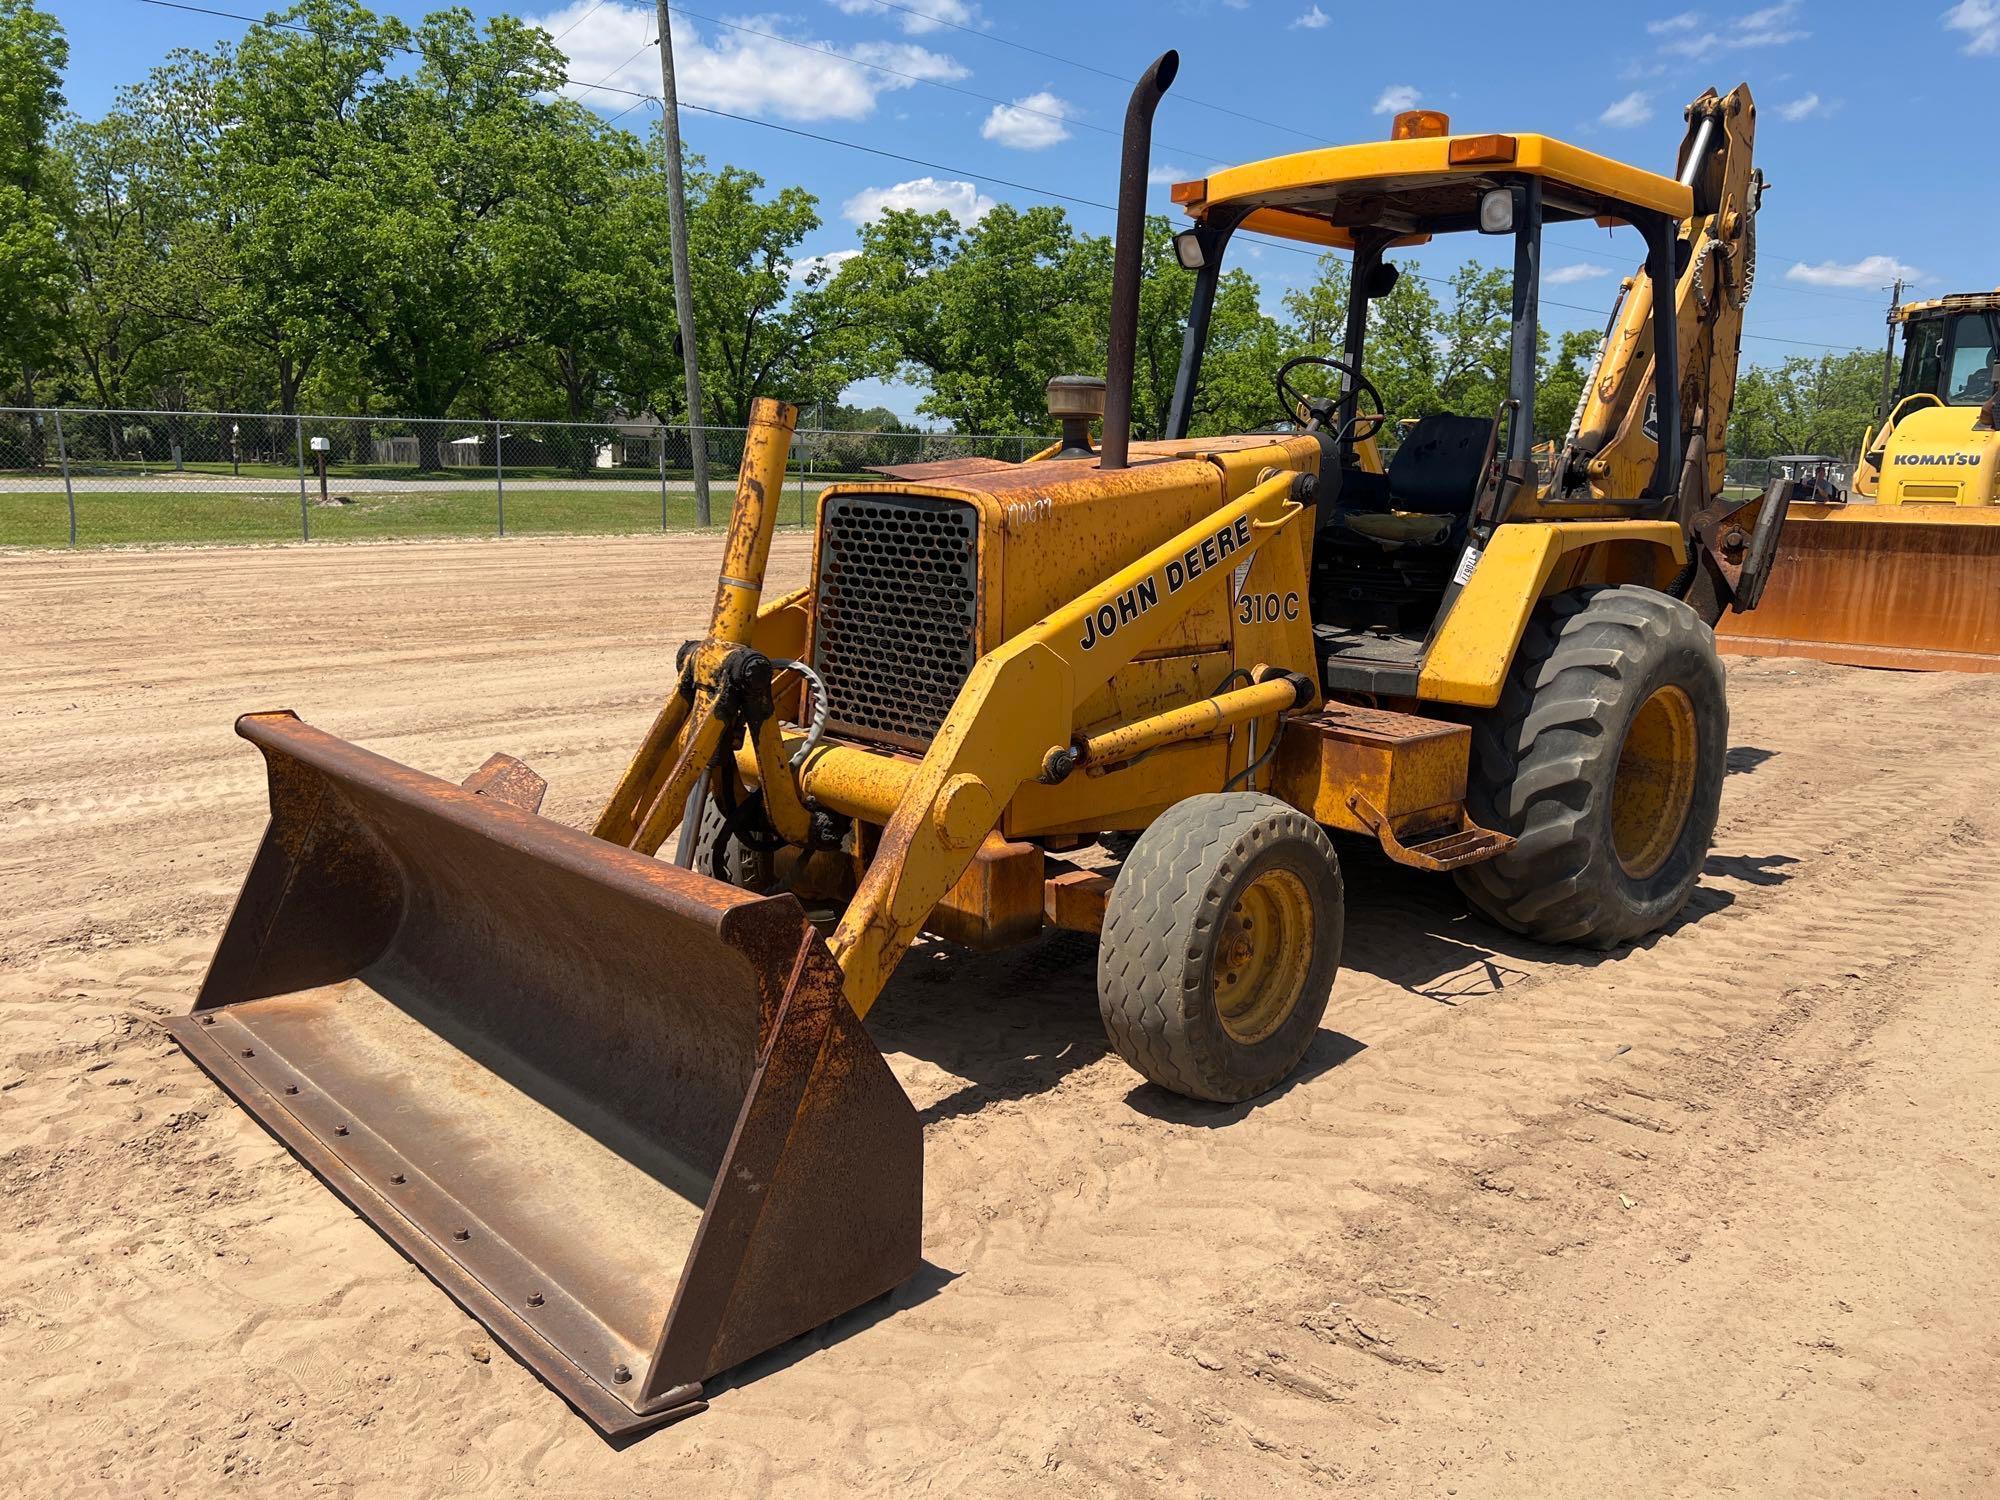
column 1221, row 940
column 1604, row 759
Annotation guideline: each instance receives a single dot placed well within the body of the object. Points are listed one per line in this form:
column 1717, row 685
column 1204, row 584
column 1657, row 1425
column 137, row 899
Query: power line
column 1793, row 259
column 615, row 72
column 264, row 21
column 579, row 20
column 949, row 88
column 1595, row 312
column 1070, row 62
column 916, row 161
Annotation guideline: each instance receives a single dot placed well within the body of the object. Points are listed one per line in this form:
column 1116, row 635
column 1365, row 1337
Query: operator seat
column 1431, row 483
column 1383, row 551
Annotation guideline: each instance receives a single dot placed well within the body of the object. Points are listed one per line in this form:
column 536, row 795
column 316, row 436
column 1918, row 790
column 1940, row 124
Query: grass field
column 119, row 518
column 138, row 518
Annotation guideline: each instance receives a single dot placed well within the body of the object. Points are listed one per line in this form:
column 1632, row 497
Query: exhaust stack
column 1128, row 257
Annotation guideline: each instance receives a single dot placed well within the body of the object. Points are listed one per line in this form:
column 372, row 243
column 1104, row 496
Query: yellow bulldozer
column 612, row 1089
column 1903, row 570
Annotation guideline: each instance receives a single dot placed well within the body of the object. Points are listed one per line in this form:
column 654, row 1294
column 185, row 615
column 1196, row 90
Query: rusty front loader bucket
column 621, row 1112
column 1913, row 586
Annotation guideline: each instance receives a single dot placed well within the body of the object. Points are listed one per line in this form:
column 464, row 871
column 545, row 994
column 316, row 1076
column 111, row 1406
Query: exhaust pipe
column 1127, row 262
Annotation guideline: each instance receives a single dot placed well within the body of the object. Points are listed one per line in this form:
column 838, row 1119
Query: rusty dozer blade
column 620, row 1111
column 1910, row 586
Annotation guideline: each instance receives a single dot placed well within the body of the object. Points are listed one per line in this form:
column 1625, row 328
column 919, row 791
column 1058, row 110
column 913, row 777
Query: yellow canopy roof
column 1416, row 188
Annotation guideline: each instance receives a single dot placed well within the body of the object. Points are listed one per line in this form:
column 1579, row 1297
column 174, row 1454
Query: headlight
column 1188, row 251
column 1496, row 211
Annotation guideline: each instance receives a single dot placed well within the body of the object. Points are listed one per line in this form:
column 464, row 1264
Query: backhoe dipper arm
column 1608, row 446
column 1014, row 719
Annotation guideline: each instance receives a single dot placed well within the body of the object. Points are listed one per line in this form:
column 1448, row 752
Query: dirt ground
column 1713, row 1215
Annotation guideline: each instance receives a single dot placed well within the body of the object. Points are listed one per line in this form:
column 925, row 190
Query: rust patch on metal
column 1427, row 844
column 508, row 780
column 1075, row 899
column 621, row 1112
column 1914, row 587
column 942, row 468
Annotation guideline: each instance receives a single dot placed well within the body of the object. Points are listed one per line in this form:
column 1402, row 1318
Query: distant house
column 465, row 453
column 635, row 444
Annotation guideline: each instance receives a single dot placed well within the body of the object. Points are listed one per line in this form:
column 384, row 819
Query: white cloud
column 1571, row 275
column 1312, row 20
column 929, row 15
column 1773, row 26
column 1870, row 271
column 1237, row 4
column 812, row 267
column 744, row 74
column 1396, row 98
column 924, row 195
column 1168, row 173
column 1980, row 21
column 1802, row 109
column 1687, row 20
column 1029, row 124
column 1636, row 108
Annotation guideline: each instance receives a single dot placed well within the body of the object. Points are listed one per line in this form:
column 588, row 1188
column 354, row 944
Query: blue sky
column 1880, row 162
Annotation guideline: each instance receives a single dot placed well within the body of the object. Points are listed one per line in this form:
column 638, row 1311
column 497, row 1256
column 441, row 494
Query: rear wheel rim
column 1653, row 790
column 1262, row 955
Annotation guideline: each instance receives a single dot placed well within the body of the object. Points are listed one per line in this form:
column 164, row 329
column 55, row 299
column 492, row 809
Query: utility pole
column 670, row 138
column 1888, row 350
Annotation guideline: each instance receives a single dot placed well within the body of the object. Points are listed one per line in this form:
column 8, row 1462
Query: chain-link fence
column 83, row 478
column 102, row 478
column 1752, row 476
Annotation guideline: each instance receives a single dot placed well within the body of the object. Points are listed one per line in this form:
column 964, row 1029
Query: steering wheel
column 1319, row 408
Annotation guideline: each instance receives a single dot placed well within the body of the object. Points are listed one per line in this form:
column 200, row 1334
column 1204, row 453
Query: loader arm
column 1014, row 719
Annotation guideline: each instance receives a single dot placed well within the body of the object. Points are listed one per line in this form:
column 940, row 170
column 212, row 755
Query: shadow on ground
column 1014, row 1024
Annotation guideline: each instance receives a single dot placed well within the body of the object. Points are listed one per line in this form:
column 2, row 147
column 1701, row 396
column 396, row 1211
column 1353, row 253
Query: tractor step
column 1456, row 844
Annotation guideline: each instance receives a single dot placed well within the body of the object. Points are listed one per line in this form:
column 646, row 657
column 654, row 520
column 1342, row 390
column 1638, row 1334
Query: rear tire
column 1604, row 759
column 1221, row 940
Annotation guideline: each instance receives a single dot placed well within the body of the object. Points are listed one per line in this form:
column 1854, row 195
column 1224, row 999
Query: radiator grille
column 896, row 612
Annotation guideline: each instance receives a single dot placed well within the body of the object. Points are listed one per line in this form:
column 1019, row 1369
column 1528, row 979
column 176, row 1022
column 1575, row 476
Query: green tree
column 1427, row 353
column 601, row 320
column 1244, row 351
column 1559, row 385
column 1406, row 356
column 297, row 168
column 115, row 235
column 33, row 53
column 1805, row 405
column 985, row 315
column 402, row 212
column 767, row 323
column 1476, row 333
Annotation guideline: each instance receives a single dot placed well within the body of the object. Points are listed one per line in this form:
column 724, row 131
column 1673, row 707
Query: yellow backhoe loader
column 624, row 1108
column 1905, row 570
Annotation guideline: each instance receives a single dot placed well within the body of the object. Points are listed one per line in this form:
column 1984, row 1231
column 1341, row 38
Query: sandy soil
column 1714, row 1215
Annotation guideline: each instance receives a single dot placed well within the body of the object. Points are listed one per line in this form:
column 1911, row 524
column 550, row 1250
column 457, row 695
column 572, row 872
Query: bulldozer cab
column 1394, row 542
column 1950, row 348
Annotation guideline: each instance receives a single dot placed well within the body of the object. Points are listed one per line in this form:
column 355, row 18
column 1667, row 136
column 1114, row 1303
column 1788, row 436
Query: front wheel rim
column 1262, row 956
column 1652, row 791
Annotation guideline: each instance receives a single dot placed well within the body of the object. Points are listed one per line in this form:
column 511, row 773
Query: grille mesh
column 896, row 612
